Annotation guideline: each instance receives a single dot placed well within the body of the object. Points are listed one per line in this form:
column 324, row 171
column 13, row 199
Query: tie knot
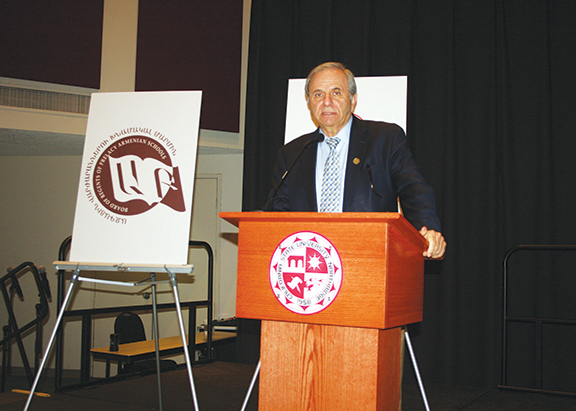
column 332, row 142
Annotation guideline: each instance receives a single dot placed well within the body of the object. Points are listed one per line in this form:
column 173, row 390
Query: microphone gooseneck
column 318, row 139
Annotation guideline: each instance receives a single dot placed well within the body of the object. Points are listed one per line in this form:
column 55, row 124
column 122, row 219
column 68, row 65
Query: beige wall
column 37, row 199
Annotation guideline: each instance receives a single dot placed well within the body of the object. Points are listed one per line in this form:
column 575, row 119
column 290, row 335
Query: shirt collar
column 344, row 133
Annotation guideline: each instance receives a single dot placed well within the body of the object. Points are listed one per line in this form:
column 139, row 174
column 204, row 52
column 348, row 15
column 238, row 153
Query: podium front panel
column 329, row 368
column 382, row 263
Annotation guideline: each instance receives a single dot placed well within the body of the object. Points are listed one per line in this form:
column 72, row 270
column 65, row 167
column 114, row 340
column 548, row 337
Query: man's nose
column 327, row 100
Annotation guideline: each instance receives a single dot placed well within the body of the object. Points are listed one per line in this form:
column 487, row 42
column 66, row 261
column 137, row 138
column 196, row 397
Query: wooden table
column 141, row 350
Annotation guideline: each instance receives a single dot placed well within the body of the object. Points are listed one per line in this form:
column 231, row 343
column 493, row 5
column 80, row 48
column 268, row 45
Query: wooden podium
column 349, row 355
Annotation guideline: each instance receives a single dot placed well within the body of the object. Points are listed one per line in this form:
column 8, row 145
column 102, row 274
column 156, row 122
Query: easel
column 172, row 271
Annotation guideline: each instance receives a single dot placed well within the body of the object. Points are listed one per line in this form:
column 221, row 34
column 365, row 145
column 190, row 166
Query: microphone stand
column 268, row 207
column 269, row 204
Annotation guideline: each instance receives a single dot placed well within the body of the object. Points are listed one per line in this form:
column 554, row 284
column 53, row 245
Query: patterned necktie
column 330, row 194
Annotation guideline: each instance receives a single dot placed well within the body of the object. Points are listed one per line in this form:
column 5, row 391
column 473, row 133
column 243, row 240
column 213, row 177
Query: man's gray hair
column 332, row 66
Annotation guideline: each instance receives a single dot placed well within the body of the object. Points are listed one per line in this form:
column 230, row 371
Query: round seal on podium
column 305, row 272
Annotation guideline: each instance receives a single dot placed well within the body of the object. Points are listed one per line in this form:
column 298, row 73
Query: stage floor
column 222, row 386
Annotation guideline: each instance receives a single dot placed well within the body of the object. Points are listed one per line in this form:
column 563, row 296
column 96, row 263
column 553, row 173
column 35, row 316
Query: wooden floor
column 222, row 386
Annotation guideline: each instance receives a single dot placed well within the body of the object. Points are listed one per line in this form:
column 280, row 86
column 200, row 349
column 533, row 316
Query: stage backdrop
column 135, row 193
column 491, row 103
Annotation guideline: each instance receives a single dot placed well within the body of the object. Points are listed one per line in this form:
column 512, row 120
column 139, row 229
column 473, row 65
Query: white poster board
column 136, row 183
column 382, row 98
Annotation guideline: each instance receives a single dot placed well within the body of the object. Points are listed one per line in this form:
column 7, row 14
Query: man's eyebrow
column 322, row 90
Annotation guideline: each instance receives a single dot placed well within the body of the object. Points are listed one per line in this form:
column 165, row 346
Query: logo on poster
column 305, row 272
column 131, row 175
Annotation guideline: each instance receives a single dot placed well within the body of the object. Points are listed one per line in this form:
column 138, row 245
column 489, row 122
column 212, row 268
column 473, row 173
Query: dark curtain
column 491, row 122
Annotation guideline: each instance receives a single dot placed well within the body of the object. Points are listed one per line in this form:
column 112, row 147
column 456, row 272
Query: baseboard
column 20, row 372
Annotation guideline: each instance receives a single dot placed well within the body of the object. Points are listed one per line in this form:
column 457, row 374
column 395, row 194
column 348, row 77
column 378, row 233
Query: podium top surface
column 271, row 216
column 395, row 219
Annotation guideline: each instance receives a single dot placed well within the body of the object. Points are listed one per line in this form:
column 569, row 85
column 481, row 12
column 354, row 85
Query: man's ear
column 354, row 101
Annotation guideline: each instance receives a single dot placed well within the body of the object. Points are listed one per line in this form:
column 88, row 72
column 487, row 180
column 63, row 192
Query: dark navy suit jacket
column 376, row 146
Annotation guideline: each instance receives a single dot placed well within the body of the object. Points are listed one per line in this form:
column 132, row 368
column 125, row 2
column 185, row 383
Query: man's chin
column 328, row 121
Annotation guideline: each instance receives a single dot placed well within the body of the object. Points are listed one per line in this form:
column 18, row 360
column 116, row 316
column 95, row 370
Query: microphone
column 318, row 139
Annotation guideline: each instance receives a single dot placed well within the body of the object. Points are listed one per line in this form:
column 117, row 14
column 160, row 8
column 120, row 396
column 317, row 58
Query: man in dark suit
column 371, row 166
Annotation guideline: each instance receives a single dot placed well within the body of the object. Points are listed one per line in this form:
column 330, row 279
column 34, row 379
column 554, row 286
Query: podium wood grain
column 383, row 267
column 329, row 368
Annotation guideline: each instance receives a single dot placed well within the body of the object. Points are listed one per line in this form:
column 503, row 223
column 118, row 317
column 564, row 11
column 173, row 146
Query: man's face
column 329, row 102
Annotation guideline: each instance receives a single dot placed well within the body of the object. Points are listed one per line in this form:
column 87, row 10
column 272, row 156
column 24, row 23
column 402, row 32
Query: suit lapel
column 308, row 163
column 356, row 154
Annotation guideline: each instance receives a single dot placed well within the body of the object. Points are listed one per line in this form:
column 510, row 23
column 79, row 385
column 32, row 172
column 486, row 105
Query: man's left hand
column 436, row 243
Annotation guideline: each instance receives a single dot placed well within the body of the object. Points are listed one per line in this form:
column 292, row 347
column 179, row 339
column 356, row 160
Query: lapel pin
column 356, row 161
